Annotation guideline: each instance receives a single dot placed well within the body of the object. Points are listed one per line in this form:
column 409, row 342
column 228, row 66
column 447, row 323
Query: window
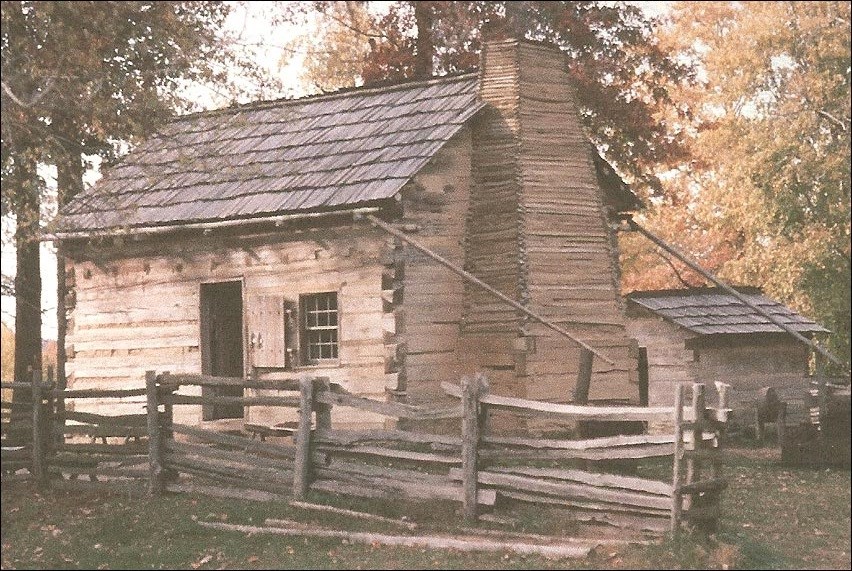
column 319, row 327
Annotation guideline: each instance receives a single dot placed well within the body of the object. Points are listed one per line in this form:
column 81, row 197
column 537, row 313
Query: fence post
column 677, row 499
column 166, row 391
column 471, row 419
column 47, row 433
column 38, row 449
column 322, row 384
column 584, row 377
column 155, row 485
column 301, row 466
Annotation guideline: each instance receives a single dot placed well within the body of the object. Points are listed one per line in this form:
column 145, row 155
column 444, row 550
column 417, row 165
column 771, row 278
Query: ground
column 775, row 518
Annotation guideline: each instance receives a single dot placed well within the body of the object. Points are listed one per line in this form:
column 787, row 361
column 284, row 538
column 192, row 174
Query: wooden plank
column 392, row 490
column 208, row 380
column 585, row 444
column 155, row 484
column 569, row 489
column 344, row 512
column 244, row 401
column 414, row 541
column 106, row 431
column 99, row 393
column 631, row 483
column 239, row 442
column 240, row 470
column 621, row 413
column 394, row 409
column 390, row 453
column 110, row 471
column 126, row 449
column 223, row 492
column 365, row 473
column 582, row 504
column 603, row 454
column 103, row 419
column 229, row 455
column 361, row 437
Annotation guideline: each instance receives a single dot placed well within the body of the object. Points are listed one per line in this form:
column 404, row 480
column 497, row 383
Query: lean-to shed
column 707, row 335
column 226, row 244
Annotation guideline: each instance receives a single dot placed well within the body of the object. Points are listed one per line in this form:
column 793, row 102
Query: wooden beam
column 695, row 267
column 484, row 286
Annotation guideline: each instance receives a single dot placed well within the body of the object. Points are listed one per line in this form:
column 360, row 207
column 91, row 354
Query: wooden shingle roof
column 342, row 149
column 712, row 311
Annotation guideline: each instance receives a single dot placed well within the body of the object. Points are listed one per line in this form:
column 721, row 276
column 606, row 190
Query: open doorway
column 222, row 344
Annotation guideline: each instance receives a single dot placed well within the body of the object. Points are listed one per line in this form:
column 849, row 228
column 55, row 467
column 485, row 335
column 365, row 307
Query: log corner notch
column 631, row 225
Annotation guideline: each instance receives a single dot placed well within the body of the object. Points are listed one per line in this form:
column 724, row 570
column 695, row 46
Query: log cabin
column 706, row 335
column 234, row 243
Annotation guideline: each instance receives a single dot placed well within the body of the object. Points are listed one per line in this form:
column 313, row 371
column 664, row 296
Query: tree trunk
column 69, row 182
column 26, row 189
column 423, row 57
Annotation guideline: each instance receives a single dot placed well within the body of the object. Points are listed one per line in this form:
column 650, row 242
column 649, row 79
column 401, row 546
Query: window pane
column 320, row 326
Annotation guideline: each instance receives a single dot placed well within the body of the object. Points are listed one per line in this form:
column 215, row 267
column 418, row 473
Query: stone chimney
column 537, row 230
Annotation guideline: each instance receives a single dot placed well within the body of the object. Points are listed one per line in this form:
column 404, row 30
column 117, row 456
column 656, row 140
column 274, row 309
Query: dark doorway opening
column 222, row 344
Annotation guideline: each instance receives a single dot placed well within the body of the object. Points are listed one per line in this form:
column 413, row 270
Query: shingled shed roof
column 712, row 311
column 342, row 149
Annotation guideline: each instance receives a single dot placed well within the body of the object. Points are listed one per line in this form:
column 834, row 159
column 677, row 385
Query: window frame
column 306, row 329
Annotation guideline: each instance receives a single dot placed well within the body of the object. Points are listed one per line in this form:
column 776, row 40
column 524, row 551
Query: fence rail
column 471, row 466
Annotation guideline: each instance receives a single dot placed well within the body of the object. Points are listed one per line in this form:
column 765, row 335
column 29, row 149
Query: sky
column 252, row 23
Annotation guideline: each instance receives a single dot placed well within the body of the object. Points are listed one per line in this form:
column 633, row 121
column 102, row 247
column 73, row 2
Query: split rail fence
column 471, row 466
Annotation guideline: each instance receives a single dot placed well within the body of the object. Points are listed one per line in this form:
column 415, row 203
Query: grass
column 775, row 518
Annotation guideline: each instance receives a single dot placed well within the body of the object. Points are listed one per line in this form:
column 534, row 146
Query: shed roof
column 349, row 148
column 713, row 311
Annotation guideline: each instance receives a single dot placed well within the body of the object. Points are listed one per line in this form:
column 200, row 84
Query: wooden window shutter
column 291, row 333
column 267, row 332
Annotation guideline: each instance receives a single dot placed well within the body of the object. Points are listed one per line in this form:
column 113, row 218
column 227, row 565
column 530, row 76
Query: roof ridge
column 694, row 291
column 375, row 87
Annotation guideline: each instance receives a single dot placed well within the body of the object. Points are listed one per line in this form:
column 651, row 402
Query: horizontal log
column 22, row 385
column 204, row 451
column 415, row 541
column 228, row 468
column 130, row 448
column 16, row 453
column 567, row 411
column 581, row 504
column 632, row 522
column 240, row 442
column 358, row 437
column 632, row 483
column 569, row 489
column 587, row 444
column 450, row 493
column 241, row 482
column 617, row 453
column 106, row 431
column 372, row 471
column 99, row 393
column 102, row 419
column 390, row 453
column 170, row 382
column 68, row 459
column 223, row 492
column 289, row 401
column 344, row 512
column 394, row 409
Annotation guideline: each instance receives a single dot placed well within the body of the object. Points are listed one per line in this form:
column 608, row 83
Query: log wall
column 428, row 308
column 137, row 304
